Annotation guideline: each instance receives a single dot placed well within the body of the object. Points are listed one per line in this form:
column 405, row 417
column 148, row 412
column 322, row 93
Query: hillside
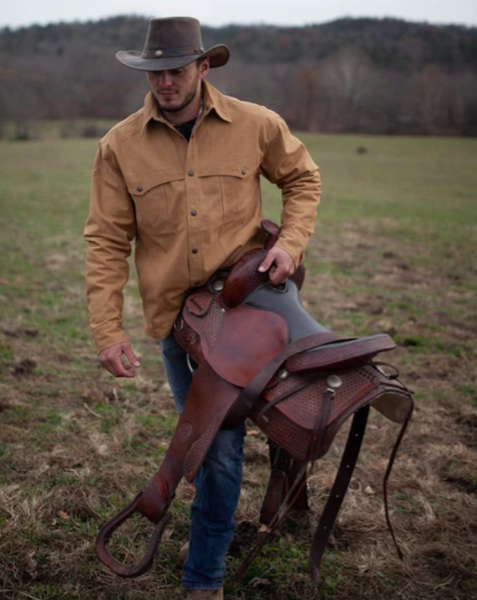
column 353, row 75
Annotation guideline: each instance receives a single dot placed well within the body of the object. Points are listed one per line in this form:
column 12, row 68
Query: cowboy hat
column 170, row 44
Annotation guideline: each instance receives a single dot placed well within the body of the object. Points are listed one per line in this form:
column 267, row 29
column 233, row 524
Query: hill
column 350, row 75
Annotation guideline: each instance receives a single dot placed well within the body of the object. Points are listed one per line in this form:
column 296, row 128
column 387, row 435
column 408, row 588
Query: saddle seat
column 238, row 343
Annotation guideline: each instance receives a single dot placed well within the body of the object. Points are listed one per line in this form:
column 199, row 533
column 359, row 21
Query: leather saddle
column 256, row 353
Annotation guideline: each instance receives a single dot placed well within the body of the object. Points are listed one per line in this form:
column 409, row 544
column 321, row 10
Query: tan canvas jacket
column 191, row 207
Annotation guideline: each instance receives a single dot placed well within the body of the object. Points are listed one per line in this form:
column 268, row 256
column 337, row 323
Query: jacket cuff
column 104, row 337
column 293, row 250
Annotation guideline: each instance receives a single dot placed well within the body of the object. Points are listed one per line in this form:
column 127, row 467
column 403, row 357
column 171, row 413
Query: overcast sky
column 19, row 13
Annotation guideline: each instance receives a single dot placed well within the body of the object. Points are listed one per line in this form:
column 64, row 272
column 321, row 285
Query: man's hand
column 280, row 263
column 119, row 360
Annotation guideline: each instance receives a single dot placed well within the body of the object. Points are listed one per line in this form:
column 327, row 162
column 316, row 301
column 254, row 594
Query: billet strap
column 250, row 394
column 283, row 473
column 338, row 491
column 340, row 486
column 300, row 501
column 283, row 510
column 279, row 467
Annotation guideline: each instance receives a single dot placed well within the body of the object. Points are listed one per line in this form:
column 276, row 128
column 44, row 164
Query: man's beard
column 187, row 100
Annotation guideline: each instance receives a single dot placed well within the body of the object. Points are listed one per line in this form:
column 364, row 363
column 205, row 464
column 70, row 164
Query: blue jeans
column 217, row 485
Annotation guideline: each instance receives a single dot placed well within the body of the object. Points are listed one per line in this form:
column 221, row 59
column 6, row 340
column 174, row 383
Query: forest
column 377, row 76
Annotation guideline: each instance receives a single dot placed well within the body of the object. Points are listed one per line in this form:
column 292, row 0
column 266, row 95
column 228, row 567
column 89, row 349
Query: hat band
column 170, row 52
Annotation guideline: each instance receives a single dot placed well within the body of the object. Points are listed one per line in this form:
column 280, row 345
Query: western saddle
column 257, row 354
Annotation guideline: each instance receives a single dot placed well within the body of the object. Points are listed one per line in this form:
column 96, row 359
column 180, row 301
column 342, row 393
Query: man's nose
column 165, row 79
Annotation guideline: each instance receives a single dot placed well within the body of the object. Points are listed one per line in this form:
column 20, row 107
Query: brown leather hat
column 172, row 43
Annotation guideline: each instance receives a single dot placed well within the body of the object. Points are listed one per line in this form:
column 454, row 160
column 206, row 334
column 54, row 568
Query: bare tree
column 431, row 96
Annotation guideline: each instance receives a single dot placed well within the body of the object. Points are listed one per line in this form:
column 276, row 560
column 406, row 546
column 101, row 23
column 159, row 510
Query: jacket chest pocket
column 157, row 199
column 235, row 185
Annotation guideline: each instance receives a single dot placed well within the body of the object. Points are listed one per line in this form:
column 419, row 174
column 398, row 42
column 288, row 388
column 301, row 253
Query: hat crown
column 173, row 33
column 173, row 43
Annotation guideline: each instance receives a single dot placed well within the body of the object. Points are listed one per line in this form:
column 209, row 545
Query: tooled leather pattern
column 201, row 328
column 290, row 422
column 197, row 450
column 189, row 340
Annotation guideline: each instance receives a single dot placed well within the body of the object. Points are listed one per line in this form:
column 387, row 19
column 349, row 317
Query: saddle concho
column 261, row 356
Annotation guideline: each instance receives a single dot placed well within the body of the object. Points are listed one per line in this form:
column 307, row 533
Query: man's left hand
column 279, row 264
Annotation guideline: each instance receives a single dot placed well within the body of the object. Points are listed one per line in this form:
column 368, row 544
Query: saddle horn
column 244, row 276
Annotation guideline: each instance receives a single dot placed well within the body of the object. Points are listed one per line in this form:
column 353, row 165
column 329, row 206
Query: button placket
column 192, row 193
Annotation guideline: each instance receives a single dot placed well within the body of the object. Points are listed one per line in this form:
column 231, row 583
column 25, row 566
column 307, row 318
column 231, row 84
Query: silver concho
column 334, row 382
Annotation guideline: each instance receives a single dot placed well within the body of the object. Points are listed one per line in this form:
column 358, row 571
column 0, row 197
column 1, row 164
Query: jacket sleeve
column 288, row 164
column 109, row 230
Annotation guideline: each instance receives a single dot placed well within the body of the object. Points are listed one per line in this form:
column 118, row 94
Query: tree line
column 382, row 76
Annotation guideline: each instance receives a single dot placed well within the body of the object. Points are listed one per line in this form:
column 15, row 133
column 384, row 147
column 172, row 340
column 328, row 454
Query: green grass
column 413, row 188
column 394, row 251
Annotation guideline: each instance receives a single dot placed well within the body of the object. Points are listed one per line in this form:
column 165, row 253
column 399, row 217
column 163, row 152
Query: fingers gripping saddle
column 261, row 356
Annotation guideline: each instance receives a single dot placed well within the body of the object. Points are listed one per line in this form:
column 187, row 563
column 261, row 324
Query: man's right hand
column 110, row 358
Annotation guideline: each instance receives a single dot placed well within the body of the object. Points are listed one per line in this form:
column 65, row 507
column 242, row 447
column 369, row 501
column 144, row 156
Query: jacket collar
column 213, row 100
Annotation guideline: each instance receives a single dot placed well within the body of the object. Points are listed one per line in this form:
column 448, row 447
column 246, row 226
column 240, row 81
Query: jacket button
column 139, row 188
column 193, row 213
column 191, row 173
column 194, row 251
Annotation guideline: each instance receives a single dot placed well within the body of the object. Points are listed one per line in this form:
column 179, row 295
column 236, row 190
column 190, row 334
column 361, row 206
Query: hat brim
column 218, row 56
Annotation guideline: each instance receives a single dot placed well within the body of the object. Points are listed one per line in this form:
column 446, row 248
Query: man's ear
column 204, row 67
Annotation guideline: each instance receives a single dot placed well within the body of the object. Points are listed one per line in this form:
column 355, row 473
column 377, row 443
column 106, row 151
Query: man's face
column 174, row 90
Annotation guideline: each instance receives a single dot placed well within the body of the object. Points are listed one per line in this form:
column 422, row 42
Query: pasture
column 394, row 251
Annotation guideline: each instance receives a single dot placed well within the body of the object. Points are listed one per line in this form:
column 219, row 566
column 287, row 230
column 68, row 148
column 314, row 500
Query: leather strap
column 279, row 467
column 388, row 473
column 343, row 477
column 338, row 491
column 283, row 476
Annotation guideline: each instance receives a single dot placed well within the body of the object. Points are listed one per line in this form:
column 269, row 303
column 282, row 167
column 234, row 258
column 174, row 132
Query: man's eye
column 177, row 71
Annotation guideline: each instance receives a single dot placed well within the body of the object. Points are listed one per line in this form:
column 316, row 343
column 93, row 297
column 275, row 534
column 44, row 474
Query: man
column 180, row 177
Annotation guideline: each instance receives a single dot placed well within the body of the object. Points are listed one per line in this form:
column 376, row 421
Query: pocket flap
column 146, row 183
column 229, row 169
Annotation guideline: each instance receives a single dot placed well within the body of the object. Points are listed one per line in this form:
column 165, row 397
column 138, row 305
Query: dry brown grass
column 76, row 445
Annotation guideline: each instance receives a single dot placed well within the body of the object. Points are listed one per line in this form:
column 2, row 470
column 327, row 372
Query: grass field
column 395, row 251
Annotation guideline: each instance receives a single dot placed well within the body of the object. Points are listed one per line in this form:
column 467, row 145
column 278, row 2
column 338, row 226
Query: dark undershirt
column 186, row 128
